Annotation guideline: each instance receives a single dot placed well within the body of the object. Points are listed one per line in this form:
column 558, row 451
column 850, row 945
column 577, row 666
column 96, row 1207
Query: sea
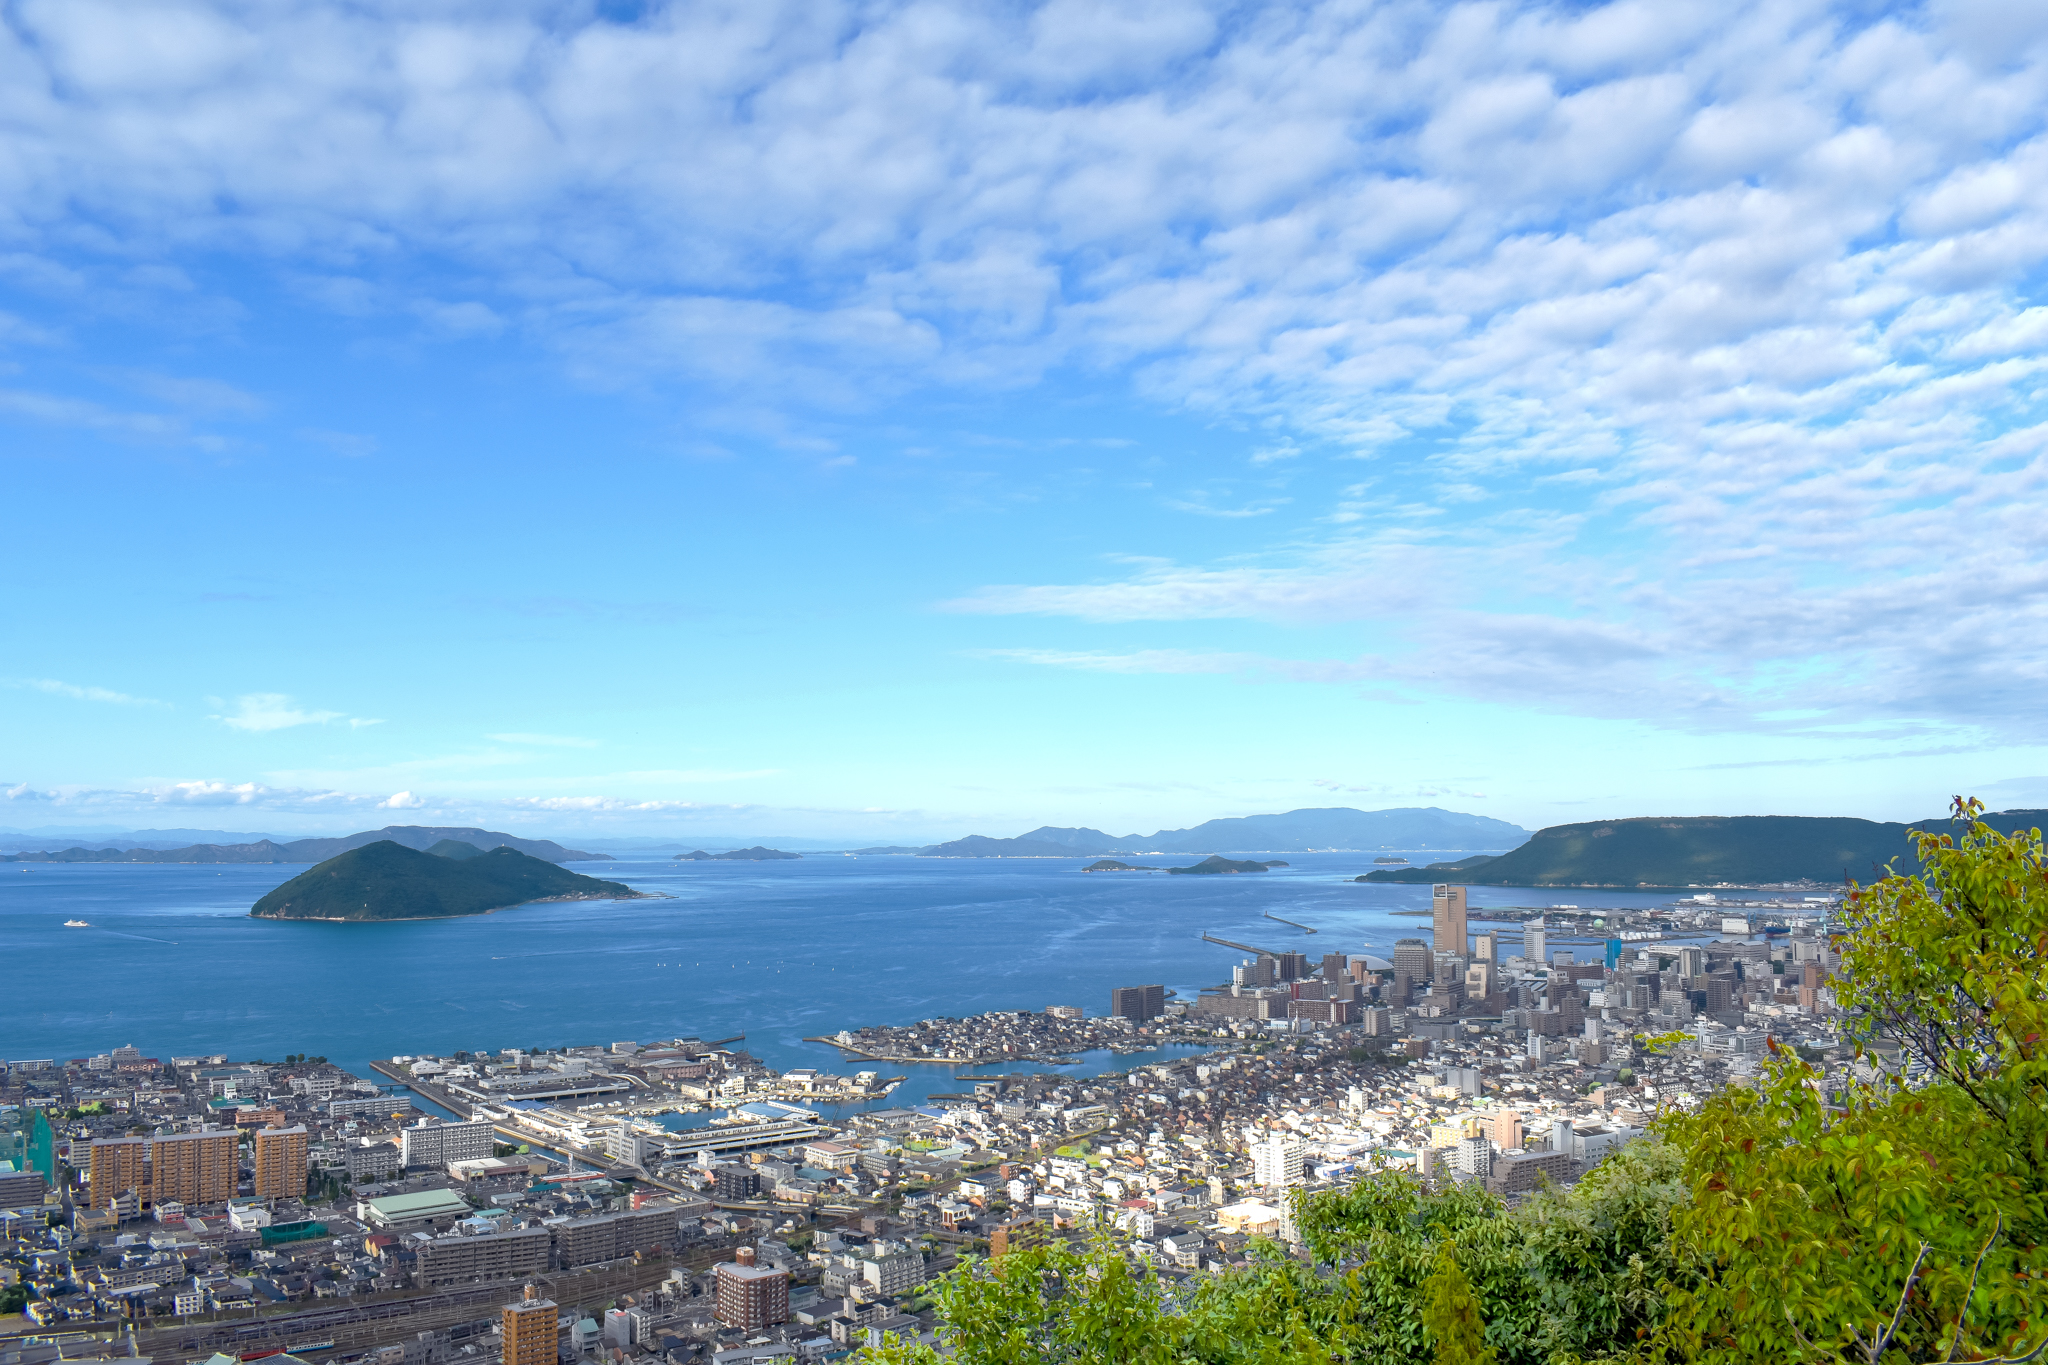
column 775, row 951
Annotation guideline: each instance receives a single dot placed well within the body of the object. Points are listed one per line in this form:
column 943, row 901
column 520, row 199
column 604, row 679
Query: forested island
column 1217, row 864
column 388, row 881
column 738, row 855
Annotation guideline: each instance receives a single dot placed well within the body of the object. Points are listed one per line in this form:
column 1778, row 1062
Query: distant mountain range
column 417, row 837
column 1699, row 851
column 385, row 880
column 1334, row 828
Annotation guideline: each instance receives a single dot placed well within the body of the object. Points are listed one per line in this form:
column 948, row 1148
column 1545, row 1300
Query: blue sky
column 902, row 420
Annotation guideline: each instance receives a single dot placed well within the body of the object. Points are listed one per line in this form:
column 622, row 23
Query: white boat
column 76, row 924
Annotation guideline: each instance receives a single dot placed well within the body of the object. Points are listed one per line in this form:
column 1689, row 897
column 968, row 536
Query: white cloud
column 1728, row 309
column 401, row 801
column 262, row 712
column 77, row 692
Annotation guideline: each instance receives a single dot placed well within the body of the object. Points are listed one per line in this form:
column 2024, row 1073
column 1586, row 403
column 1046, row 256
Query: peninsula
column 1701, row 850
column 388, row 881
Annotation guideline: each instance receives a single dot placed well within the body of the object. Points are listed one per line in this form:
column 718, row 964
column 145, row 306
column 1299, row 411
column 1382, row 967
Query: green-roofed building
column 428, row 1208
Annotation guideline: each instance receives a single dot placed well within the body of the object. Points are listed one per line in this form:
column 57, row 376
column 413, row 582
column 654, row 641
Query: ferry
column 76, row 924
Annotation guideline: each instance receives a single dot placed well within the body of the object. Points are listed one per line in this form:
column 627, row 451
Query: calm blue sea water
column 776, row 951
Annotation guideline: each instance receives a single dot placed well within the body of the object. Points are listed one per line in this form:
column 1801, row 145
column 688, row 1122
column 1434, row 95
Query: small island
column 1390, row 860
column 388, row 881
column 1217, row 863
column 1112, row 865
column 738, row 855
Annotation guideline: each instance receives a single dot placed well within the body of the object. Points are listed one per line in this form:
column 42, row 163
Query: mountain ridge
column 1309, row 829
column 419, row 838
column 1699, row 850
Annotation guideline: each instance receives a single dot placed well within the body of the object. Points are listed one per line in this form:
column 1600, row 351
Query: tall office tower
column 1414, row 960
column 117, row 1164
column 749, row 1296
column 531, row 1333
column 1484, row 948
column 195, row 1168
column 1137, row 1003
column 281, row 1162
column 1447, row 909
column 1532, row 941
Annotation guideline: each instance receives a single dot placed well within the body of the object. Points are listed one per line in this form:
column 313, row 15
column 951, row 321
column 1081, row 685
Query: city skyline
column 879, row 426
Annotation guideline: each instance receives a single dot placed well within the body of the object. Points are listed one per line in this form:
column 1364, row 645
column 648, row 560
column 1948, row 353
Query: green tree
column 1905, row 1220
column 1450, row 1316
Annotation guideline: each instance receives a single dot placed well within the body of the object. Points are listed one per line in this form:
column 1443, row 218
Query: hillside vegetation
column 388, row 881
column 1698, row 850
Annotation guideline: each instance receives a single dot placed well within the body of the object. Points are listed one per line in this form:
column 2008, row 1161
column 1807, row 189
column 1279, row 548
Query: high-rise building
column 1137, row 1003
column 281, row 1162
column 195, row 1168
column 1692, row 962
column 749, row 1296
column 532, row 1335
column 1484, row 948
column 1277, row 1161
column 1447, row 912
column 117, row 1164
column 1292, row 966
column 1335, row 967
column 1378, row 1021
column 1414, row 963
column 1532, row 941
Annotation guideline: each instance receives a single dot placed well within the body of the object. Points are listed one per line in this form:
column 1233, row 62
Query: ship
column 76, row 924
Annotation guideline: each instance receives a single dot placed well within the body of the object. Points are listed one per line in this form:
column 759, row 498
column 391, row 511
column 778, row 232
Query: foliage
column 1564, row 1272
column 1906, row 1221
column 1449, row 1316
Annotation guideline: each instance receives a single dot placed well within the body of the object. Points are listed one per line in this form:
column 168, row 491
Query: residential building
column 531, row 1333
column 748, row 1296
column 491, row 1256
column 371, row 1160
column 281, row 1162
column 430, row 1143
column 1137, row 1003
column 1277, row 1161
column 117, row 1164
column 195, row 1168
column 892, row 1274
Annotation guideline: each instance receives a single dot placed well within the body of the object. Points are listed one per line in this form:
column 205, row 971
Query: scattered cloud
column 262, row 712
column 77, row 692
column 1139, row 661
column 401, row 801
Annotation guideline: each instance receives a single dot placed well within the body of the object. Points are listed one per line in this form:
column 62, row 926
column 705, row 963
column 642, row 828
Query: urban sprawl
column 531, row 1207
